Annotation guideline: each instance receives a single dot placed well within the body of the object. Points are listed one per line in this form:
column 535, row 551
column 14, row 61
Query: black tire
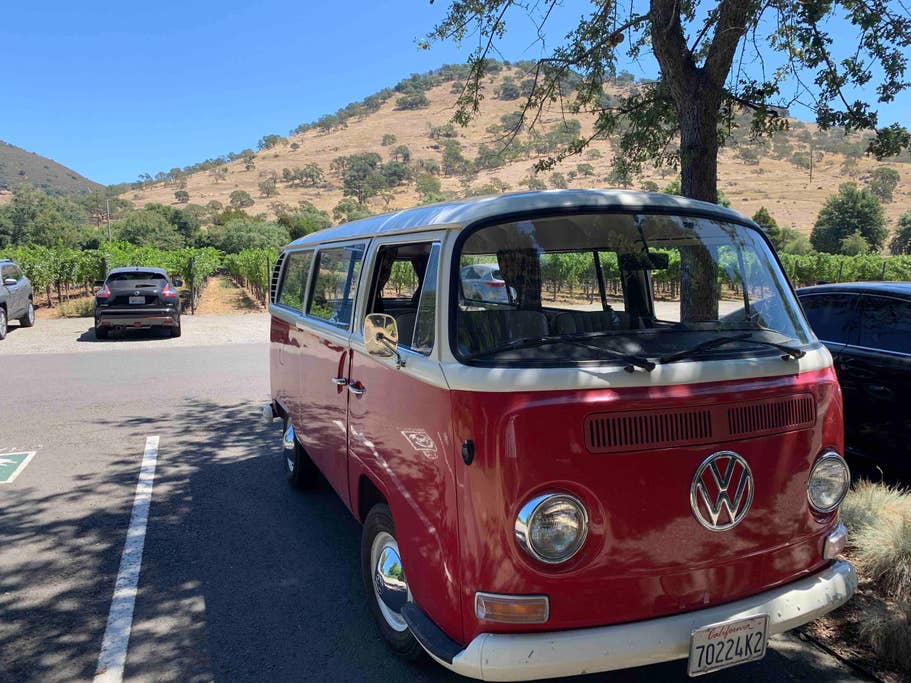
column 101, row 332
column 401, row 642
column 300, row 471
column 175, row 331
column 28, row 320
column 3, row 323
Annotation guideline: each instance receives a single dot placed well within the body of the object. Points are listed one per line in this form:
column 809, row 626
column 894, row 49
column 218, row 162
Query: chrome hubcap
column 2, row 323
column 31, row 313
column 288, row 443
column 389, row 583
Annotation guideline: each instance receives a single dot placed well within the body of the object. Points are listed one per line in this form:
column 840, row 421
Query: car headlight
column 552, row 527
column 829, row 481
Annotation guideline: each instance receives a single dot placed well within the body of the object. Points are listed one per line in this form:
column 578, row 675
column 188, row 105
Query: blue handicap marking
column 12, row 464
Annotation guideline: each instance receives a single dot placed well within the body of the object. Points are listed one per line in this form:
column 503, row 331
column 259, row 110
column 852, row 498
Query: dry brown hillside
column 782, row 187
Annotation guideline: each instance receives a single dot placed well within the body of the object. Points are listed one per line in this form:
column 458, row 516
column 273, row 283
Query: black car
column 867, row 327
column 137, row 298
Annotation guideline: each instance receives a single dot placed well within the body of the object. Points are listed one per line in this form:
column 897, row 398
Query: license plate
column 137, row 299
column 729, row 643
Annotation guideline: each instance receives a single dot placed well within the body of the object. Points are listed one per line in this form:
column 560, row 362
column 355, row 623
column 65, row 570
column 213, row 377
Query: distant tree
column 901, row 241
column 585, row 169
column 793, row 242
column 650, row 186
column 349, row 209
column 558, row 180
column 270, row 141
column 268, row 188
column 508, row 89
column 295, row 146
column 240, row 199
column 303, row 220
column 214, row 206
column 395, row 173
column 851, row 210
column 533, row 182
column 219, row 173
column 185, row 220
column 401, row 153
column 249, row 161
column 148, row 229
column 883, row 181
column 454, row 162
column 854, row 244
column 182, row 196
column 242, row 233
column 414, row 100
column 765, row 221
column 388, row 139
column 428, row 188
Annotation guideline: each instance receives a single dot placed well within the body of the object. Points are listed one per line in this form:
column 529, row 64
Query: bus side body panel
column 646, row 555
column 400, row 436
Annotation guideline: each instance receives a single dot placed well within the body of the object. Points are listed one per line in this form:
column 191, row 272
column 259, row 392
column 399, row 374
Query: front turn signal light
column 512, row 609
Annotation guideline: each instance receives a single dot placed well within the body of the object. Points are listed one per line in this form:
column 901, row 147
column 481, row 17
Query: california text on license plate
column 137, row 299
column 729, row 643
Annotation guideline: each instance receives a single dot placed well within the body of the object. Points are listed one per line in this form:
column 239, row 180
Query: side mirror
column 177, row 282
column 381, row 337
column 9, row 281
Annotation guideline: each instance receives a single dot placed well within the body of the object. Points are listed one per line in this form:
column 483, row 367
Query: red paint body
column 645, row 555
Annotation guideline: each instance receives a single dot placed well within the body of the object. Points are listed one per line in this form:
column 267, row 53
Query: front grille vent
column 772, row 416
column 626, row 431
column 652, row 429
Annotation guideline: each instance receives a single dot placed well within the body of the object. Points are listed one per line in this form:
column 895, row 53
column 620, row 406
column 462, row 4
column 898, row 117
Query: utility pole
column 107, row 214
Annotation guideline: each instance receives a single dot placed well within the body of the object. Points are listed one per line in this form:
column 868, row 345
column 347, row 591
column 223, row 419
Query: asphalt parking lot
column 241, row 578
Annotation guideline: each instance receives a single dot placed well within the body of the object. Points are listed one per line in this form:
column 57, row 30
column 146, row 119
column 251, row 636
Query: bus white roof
column 461, row 213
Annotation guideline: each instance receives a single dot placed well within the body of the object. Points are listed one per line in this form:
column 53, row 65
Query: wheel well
column 368, row 495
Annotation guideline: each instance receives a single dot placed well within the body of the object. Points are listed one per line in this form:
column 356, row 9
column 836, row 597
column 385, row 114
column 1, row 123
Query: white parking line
column 120, row 619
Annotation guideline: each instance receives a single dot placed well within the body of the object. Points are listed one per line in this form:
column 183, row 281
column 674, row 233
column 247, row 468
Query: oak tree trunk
column 699, row 180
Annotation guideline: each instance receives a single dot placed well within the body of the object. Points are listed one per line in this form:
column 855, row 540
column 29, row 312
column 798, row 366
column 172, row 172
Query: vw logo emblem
column 722, row 491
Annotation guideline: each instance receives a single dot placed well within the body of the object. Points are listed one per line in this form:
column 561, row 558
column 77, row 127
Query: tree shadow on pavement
column 243, row 578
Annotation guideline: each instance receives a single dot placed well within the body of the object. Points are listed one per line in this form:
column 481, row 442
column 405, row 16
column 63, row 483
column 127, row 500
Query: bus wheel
column 300, row 471
column 385, row 584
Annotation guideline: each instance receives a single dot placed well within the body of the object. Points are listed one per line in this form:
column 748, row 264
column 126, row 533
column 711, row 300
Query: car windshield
column 658, row 286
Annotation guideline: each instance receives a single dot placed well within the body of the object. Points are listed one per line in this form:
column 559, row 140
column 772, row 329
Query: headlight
column 829, row 481
column 552, row 527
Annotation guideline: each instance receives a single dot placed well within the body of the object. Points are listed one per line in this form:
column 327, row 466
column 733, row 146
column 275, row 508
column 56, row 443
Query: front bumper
column 515, row 657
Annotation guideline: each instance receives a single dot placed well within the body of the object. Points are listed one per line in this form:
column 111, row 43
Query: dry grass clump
column 889, row 634
column 77, row 308
column 878, row 518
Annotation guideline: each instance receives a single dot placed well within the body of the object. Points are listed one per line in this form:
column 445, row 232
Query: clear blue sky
column 117, row 90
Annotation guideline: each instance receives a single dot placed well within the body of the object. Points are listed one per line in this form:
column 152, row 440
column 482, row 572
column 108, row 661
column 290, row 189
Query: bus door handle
column 357, row 389
column 340, row 381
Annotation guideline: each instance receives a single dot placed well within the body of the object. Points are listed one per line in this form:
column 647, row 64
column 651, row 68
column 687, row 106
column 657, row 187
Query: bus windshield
column 612, row 287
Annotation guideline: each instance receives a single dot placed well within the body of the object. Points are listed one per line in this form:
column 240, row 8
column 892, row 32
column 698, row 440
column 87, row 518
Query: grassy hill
column 19, row 166
column 776, row 175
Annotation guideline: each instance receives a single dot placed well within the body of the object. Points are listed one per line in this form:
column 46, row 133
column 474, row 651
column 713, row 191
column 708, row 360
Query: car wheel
column 28, row 320
column 101, row 332
column 300, row 471
column 175, row 331
column 2, row 323
column 385, row 584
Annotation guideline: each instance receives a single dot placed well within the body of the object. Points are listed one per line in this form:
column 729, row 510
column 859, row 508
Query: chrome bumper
column 516, row 657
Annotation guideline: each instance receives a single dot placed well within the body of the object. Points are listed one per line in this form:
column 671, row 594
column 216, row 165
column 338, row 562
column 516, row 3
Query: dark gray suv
column 15, row 297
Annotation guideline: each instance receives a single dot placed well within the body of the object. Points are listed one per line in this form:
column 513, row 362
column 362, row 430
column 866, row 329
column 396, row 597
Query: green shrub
column 78, row 308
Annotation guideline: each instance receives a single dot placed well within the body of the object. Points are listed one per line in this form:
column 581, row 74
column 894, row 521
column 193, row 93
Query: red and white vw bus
column 629, row 453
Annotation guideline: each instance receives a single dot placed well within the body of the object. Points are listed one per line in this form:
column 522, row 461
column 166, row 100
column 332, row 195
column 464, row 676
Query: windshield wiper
column 788, row 352
column 633, row 360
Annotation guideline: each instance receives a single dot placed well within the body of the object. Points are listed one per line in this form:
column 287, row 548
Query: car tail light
column 104, row 292
column 168, row 293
